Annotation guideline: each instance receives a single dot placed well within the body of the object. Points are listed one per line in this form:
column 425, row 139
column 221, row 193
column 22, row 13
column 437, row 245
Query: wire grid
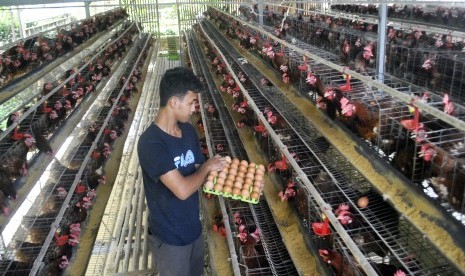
column 347, row 189
column 391, row 144
column 448, row 161
column 403, row 62
column 19, row 268
column 40, row 227
column 394, row 83
column 251, row 256
column 406, row 13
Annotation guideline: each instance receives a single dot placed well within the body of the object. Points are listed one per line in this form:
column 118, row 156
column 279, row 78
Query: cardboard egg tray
column 226, row 176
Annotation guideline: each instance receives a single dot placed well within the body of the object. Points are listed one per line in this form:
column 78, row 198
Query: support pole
column 12, row 22
column 21, row 30
column 380, row 56
column 87, row 7
column 260, row 12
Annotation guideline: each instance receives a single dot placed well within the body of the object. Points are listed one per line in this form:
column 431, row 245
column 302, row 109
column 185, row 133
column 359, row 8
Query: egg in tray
column 239, row 180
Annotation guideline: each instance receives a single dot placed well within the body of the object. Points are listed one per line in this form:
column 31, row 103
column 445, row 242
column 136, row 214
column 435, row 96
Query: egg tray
column 253, row 201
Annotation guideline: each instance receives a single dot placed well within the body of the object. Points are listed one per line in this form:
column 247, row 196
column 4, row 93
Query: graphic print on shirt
column 184, row 161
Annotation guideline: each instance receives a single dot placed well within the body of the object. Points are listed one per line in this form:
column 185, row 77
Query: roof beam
column 41, row 2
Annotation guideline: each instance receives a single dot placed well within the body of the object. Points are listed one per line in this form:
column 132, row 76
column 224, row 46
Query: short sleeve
column 154, row 158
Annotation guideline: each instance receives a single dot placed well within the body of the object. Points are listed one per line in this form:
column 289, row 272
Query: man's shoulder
column 149, row 136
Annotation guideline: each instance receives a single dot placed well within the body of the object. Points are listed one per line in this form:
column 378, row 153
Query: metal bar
column 451, row 3
column 260, row 12
column 381, row 45
column 459, row 124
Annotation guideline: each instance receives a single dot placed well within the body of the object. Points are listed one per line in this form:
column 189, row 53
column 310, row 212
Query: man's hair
column 177, row 82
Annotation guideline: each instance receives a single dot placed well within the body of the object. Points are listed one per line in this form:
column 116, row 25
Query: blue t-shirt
column 174, row 221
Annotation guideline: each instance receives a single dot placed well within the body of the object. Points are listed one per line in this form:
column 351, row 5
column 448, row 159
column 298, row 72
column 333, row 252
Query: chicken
column 450, row 187
column 289, row 191
column 211, row 110
column 364, row 58
column 348, row 266
column 442, row 162
column 40, row 130
column 365, row 121
column 78, row 213
column 57, row 266
column 15, row 164
column 95, row 178
column 218, row 225
column 250, row 251
column 429, row 74
column 342, row 266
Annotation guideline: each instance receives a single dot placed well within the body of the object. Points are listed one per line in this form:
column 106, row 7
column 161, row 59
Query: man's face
column 186, row 107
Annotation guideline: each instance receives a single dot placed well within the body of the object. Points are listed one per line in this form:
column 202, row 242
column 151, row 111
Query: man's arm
column 184, row 186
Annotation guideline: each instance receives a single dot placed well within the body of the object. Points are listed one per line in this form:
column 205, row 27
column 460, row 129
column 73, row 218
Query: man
column 173, row 169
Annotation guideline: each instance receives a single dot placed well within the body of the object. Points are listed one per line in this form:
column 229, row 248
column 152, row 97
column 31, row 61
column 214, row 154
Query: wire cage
column 251, row 252
column 448, row 17
column 435, row 70
column 378, row 230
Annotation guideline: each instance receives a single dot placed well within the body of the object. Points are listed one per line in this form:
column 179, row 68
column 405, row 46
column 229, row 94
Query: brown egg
column 362, row 202
column 242, row 168
column 240, row 175
column 234, row 166
column 259, row 177
column 244, row 162
column 218, row 187
column 210, row 177
column 223, row 174
column 236, row 191
column 231, row 177
column 245, row 194
column 251, row 170
column 228, row 183
column 240, row 180
column 257, row 189
column 248, row 181
column 246, row 186
column 227, row 190
column 228, row 159
column 260, row 171
column 258, row 183
column 232, row 171
column 249, row 175
column 254, row 196
column 220, row 180
column 225, row 169
column 237, row 184
column 209, row 185
column 235, row 161
column 214, row 173
column 252, row 165
column 261, row 167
